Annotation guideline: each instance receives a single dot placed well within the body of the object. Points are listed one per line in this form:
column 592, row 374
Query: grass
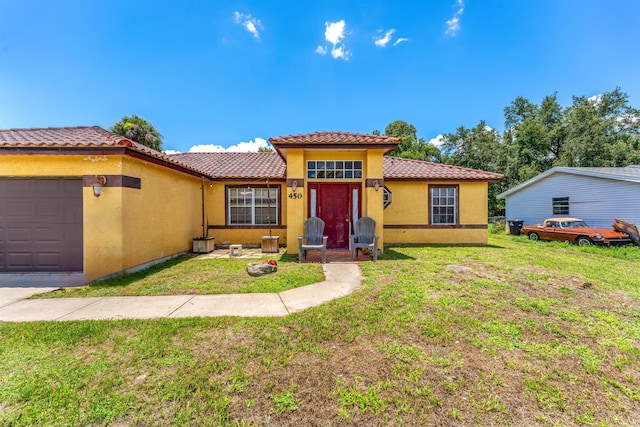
column 190, row 274
column 527, row 333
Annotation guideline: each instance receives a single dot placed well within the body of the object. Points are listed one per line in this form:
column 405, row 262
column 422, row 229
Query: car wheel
column 534, row 236
column 584, row 241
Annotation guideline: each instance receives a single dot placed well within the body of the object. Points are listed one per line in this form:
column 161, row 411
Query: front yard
column 516, row 333
column 194, row 275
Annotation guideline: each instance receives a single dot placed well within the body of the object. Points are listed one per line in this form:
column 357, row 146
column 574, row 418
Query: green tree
column 475, row 148
column 410, row 147
column 481, row 148
column 139, row 130
column 407, row 134
column 534, row 137
column 600, row 130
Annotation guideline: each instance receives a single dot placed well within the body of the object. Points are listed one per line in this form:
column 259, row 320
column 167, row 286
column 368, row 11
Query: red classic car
column 576, row 231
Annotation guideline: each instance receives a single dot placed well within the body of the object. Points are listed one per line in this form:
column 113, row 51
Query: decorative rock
column 259, row 269
column 459, row 268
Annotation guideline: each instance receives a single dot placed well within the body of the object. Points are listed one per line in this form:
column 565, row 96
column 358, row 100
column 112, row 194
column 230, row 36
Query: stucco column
column 296, row 202
column 374, row 199
column 103, row 232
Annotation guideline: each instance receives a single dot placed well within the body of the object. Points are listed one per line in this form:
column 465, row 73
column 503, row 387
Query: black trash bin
column 514, row 226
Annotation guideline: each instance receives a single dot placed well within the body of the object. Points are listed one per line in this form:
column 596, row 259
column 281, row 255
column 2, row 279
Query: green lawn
column 516, row 333
column 190, row 274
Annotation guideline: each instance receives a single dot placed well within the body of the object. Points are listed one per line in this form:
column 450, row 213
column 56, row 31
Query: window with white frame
column 443, row 203
column 560, row 205
column 334, row 169
column 252, row 206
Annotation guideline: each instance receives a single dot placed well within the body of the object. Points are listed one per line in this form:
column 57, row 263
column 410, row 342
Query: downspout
column 269, row 206
column 204, row 227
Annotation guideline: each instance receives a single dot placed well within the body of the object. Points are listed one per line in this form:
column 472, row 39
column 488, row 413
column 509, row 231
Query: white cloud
column 340, row 52
column 242, row 147
column 595, row 99
column 335, row 33
column 453, row 24
column 383, row 41
column 251, row 24
column 400, row 40
column 207, row 148
column 168, row 152
column 437, row 141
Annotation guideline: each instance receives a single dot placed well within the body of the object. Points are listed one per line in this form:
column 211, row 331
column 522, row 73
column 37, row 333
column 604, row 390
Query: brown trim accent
column 433, row 227
column 300, row 182
column 113, row 181
column 429, row 188
column 253, row 185
column 226, row 206
column 272, row 180
column 238, row 227
column 370, row 182
column 131, row 182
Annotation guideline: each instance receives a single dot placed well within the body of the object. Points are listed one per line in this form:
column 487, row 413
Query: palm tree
column 139, row 130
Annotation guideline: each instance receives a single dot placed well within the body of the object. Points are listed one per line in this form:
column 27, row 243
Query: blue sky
column 225, row 72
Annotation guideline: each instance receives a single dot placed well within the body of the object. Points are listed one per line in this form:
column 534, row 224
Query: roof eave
column 103, row 150
column 347, row 147
column 568, row 170
column 527, row 183
column 435, row 178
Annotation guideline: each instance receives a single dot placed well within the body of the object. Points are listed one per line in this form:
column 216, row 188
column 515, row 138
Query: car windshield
column 573, row 224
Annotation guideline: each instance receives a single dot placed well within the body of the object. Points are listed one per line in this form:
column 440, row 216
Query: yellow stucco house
column 87, row 204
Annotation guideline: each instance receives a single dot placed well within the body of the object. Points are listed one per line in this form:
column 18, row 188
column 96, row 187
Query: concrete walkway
column 340, row 279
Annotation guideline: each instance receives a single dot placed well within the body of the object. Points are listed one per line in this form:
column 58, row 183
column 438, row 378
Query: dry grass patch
column 521, row 336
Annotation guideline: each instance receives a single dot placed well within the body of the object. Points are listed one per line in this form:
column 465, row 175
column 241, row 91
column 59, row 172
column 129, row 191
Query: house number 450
column 295, row 195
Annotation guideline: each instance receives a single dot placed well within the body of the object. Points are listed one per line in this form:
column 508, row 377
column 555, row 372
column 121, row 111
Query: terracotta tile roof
column 77, row 137
column 399, row 168
column 262, row 165
column 81, row 136
column 239, row 165
column 235, row 165
column 334, row 138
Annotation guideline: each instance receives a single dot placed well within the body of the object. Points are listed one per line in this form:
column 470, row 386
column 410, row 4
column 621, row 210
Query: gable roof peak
column 627, row 173
column 330, row 138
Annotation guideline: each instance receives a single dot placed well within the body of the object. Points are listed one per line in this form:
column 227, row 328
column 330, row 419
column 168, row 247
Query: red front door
column 334, row 204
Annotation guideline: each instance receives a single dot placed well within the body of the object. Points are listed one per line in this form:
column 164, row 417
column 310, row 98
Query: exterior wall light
column 100, row 182
column 294, row 186
column 376, row 185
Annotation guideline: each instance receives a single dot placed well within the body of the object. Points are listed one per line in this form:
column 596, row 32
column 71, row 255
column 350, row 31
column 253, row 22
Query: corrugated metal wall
column 596, row 200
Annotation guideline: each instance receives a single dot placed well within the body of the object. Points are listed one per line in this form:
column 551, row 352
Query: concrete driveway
column 10, row 295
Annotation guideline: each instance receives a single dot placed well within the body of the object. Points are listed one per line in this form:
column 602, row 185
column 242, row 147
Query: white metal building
column 597, row 195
